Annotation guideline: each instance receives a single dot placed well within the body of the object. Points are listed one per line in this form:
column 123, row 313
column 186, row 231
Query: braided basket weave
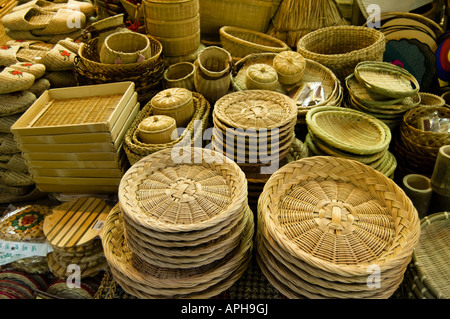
column 327, row 220
column 341, row 48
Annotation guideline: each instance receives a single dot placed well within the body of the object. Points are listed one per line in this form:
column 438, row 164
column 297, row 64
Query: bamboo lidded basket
column 341, row 48
column 326, row 223
column 174, row 102
column 157, row 129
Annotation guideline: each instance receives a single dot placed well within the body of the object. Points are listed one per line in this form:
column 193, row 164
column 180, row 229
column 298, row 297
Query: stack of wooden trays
column 176, row 24
column 73, row 231
column 182, row 227
column 428, row 273
column 388, row 110
column 331, row 227
column 351, row 134
column 72, row 137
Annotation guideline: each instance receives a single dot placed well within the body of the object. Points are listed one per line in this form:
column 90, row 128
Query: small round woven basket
column 125, row 48
column 325, row 221
column 240, row 42
column 341, row 48
column 181, row 75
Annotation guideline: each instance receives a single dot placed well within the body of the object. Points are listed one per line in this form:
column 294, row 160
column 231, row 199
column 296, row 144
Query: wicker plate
column 349, row 130
column 386, row 79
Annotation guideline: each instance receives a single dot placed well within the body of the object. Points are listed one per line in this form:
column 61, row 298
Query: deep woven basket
column 327, row 220
column 341, row 48
column 242, row 42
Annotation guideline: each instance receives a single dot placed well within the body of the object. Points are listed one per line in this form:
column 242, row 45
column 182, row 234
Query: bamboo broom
column 295, row 18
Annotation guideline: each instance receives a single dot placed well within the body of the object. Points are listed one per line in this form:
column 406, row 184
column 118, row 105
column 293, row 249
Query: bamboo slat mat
column 82, row 110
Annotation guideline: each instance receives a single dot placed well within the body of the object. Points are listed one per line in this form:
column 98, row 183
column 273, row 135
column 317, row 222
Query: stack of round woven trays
column 73, row 233
column 191, row 135
column 147, row 75
column 255, row 128
column 428, row 273
column 21, row 285
column 182, row 227
column 382, row 90
column 314, row 73
column 419, row 140
column 351, row 134
column 334, row 228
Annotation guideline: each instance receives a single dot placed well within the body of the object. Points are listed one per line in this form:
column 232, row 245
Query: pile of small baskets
column 334, row 228
column 384, row 91
column 350, row 134
column 191, row 135
column 341, row 48
column 428, row 273
column 182, row 227
column 147, row 75
column 418, row 143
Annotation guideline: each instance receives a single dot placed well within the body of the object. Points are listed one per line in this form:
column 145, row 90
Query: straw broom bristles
column 295, row 18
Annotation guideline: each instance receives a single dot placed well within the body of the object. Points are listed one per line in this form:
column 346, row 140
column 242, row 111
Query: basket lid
column 386, row 79
column 289, row 62
column 255, row 109
column 171, row 98
column 349, row 130
column 262, row 73
column 430, row 257
column 172, row 192
column 156, row 123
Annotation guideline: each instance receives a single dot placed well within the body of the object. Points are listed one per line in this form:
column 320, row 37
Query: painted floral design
column 5, row 47
column 65, row 54
column 16, row 72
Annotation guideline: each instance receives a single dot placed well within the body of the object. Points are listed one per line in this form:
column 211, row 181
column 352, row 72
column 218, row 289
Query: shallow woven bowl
column 349, row 130
column 341, row 48
column 128, row 46
column 339, row 216
column 240, row 42
column 192, row 191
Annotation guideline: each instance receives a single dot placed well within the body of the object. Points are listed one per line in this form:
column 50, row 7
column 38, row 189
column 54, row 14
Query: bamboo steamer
column 170, row 10
column 156, row 129
column 181, row 45
column 173, row 29
column 175, row 102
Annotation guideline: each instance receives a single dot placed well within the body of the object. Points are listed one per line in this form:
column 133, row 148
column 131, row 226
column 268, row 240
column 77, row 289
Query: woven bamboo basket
column 180, row 46
column 428, row 266
column 173, row 29
column 423, row 139
column 177, row 103
column 89, row 59
column 261, row 77
column 242, row 42
column 251, row 14
column 324, row 196
column 429, row 99
column 164, row 10
column 386, row 79
column 290, row 66
column 193, row 133
column 125, row 48
column 156, row 129
column 349, row 130
column 150, row 282
column 180, row 75
column 341, row 48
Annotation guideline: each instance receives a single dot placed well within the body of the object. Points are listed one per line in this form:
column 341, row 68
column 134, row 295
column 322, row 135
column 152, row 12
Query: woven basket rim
column 378, row 36
column 406, row 124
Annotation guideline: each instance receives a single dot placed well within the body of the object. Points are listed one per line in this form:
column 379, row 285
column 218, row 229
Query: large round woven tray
column 172, row 192
column 430, row 257
column 146, row 281
column 341, row 48
column 349, row 130
column 334, row 217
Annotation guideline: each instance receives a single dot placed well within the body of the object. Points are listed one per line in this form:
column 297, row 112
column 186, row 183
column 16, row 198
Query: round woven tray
column 341, row 48
column 172, row 192
column 348, row 130
column 146, row 281
column 356, row 216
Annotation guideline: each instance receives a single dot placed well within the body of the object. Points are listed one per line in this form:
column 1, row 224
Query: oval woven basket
column 240, row 42
column 349, row 130
column 341, row 48
column 90, row 60
column 429, row 99
column 338, row 217
column 431, row 255
column 135, row 149
column 125, row 48
column 189, row 197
